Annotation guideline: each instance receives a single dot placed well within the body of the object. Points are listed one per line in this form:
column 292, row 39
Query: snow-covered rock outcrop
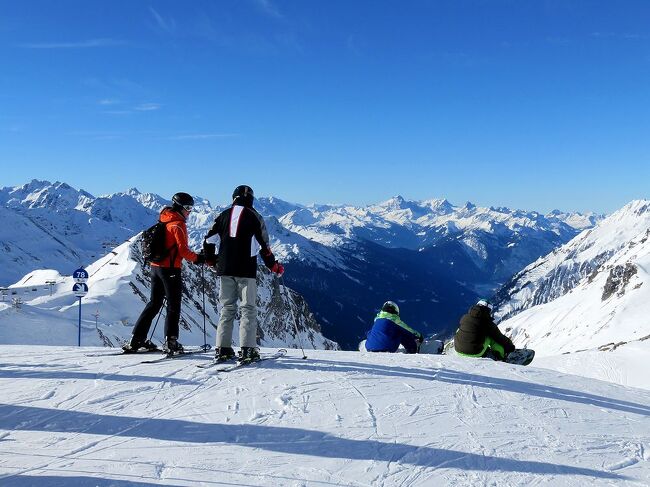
column 593, row 292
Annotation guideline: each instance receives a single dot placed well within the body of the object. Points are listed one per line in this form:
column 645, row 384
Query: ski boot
column 172, row 346
column 248, row 355
column 224, row 354
column 136, row 343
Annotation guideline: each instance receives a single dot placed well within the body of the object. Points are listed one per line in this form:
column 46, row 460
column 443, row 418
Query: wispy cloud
column 108, row 137
column 108, row 101
column 619, row 35
column 142, row 107
column 269, row 8
column 147, row 107
column 117, row 88
column 202, row 136
column 97, row 135
column 89, row 43
column 167, row 25
column 118, row 112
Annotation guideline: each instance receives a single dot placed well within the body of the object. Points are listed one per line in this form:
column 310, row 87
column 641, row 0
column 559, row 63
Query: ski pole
column 295, row 325
column 156, row 323
column 205, row 339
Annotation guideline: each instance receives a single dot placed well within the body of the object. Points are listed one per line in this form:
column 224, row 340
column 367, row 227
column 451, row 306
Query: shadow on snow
column 68, row 374
column 455, row 377
column 293, row 441
column 75, row 481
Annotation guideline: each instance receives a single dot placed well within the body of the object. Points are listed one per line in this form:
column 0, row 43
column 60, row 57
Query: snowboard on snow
column 521, row 356
column 428, row 346
column 432, row 346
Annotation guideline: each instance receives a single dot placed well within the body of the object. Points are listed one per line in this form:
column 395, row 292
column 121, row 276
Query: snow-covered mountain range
column 418, row 225
column 432, row 257
column 592, row 293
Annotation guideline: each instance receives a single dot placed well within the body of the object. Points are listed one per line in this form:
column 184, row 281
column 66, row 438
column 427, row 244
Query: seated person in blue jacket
column 389, row 331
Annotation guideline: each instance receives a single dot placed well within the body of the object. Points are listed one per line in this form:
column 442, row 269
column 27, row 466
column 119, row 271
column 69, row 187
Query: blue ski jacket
column 388, row 332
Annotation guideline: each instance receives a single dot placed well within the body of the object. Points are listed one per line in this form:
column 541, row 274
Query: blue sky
column 528, row 104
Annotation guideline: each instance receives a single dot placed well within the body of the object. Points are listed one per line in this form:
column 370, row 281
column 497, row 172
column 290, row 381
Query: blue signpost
column 80, row 289
column 80, row 275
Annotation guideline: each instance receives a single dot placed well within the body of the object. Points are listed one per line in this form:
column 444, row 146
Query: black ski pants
column 166, row 282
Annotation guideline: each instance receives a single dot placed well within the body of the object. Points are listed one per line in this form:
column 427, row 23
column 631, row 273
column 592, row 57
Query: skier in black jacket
column 478, row 336
column 241, row 234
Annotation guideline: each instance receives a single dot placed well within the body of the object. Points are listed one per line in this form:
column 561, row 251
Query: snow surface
column 337, row 418
column 625, row 364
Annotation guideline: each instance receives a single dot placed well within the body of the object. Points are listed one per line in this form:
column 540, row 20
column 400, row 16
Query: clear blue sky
column 527, row 104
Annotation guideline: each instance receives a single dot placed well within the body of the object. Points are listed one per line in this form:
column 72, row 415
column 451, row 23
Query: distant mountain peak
column 394, row 202
column 442, row 206
column 469, row 206
column 635, row 207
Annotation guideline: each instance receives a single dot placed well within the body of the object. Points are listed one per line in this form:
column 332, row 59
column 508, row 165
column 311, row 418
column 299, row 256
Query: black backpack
column 152, row 243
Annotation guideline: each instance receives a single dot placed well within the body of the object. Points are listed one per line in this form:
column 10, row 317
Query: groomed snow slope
column 337, row 418
column 623, row 363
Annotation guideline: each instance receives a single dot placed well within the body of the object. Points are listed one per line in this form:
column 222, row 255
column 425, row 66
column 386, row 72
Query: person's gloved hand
column 200, row 259
column 278, row 268
column 211, row 261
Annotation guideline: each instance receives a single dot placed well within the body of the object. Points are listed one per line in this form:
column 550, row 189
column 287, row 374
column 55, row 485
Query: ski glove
column 278, row 268
column 200, row 259
column 211, row 261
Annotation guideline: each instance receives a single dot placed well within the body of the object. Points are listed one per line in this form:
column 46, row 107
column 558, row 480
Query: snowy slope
column 337, row 418
column 591, row 292
column 624, row 363
column 591, row 251
column 119, row 288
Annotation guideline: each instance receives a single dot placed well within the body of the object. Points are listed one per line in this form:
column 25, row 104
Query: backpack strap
column 172, row 255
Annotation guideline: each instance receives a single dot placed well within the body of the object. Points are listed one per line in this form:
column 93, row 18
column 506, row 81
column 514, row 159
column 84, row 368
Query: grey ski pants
column 233, row 289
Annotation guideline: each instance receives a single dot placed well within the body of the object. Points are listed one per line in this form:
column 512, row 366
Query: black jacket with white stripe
column 240, row 233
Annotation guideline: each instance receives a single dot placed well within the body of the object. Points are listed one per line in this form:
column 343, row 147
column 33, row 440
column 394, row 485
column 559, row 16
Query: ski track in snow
column 338, row 418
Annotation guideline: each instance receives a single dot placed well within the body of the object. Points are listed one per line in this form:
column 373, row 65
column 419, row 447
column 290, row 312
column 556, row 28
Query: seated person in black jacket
column 478, row 336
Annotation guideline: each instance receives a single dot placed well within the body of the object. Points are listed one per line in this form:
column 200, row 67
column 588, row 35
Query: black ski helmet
column 183, row 200
column 390, row 307
column 243, row 191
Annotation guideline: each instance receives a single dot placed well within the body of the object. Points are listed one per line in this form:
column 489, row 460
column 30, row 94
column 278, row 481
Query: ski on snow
column 176, row 355
column 228, row 367
column 122, row 352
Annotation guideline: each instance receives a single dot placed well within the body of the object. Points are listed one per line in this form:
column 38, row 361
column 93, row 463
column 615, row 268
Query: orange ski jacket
column 175, row 240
